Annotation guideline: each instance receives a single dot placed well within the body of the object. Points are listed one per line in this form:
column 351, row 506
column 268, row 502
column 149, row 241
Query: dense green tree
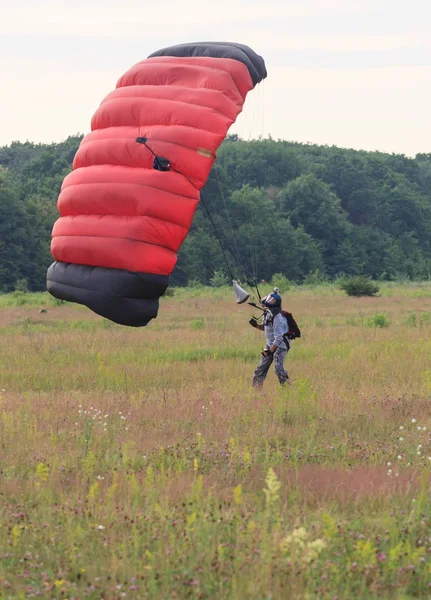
column 275, row 206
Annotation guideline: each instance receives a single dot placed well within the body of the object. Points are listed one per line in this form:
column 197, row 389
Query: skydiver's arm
column 253, row 322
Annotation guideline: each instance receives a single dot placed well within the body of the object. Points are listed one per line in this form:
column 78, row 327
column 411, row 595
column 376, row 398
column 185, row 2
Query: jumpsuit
column 275, row 328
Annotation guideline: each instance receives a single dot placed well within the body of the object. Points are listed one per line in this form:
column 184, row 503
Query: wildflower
column 400, row 457
column 388, row 464
column 419, row 428
column 401, row 439
column 413, row 420
column 401, row 427
column 419, row 446
column 100, row 527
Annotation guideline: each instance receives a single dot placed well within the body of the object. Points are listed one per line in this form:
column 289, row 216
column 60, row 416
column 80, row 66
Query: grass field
column 139, row 463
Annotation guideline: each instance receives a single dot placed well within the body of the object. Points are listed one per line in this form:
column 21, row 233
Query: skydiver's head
column 272, row 301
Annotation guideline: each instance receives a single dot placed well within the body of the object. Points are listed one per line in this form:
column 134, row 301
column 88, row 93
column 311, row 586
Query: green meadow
column 140, row 463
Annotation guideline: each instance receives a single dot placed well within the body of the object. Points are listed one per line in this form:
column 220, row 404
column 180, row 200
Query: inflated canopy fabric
column 122, row 221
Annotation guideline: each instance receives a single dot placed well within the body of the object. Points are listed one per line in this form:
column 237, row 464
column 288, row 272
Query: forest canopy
column 309, row 212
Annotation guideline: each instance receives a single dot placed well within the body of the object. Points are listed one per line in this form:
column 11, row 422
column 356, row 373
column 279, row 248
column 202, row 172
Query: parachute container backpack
column 129, row 201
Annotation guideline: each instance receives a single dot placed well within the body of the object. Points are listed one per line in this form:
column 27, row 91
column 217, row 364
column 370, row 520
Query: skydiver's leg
column 279, row 358
column 261, row 371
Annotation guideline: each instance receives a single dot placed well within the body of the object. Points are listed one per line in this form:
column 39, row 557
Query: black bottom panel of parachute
column 124, row 297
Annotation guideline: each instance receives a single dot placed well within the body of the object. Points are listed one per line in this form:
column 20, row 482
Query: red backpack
column 294, row 331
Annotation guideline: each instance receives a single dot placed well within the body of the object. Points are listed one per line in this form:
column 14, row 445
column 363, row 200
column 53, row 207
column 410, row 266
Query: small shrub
column 194, row 284
column 315, row 278
column 359, row 286
column 378, row 320
column 198, row 323
column 57, row 301
column 279, row 280
column 411, row 320
column 170, row 291
column 21, row 285
column 219, row 279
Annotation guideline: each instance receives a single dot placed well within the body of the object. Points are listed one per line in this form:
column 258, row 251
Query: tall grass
column 140, row 463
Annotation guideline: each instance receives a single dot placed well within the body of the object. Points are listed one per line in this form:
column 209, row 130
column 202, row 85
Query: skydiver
column 276, row 328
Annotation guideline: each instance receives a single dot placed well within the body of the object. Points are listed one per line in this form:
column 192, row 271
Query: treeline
column 309, row 212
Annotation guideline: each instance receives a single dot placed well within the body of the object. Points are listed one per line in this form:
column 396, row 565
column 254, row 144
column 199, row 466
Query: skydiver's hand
column 267, row 352
column 253, row 322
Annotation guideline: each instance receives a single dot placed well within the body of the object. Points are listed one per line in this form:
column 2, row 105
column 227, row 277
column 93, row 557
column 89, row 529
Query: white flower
column 401, row 439
column 419, row 428
column 100, row 527
column 400, row 457
column 413, row 420
column 419, row 452
column 419, row 446
column 388, row 464
column 424, row 428
column 401, row 427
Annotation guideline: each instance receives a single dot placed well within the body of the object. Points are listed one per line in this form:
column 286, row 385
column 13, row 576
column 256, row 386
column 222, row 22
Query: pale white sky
column 354, row 73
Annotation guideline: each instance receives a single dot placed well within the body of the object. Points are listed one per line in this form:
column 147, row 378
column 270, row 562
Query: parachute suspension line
column 163, row 164
column 218, row 236
column 234, row 244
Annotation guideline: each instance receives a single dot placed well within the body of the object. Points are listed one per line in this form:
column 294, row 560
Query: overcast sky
column 354, row 73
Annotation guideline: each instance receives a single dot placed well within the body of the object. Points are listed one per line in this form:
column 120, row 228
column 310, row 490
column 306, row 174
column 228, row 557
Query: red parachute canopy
column 130, row 199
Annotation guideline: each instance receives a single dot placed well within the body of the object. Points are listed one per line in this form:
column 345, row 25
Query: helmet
column 273, row 300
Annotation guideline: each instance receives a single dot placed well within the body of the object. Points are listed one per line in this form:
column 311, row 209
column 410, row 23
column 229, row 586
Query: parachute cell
column 130, row 199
